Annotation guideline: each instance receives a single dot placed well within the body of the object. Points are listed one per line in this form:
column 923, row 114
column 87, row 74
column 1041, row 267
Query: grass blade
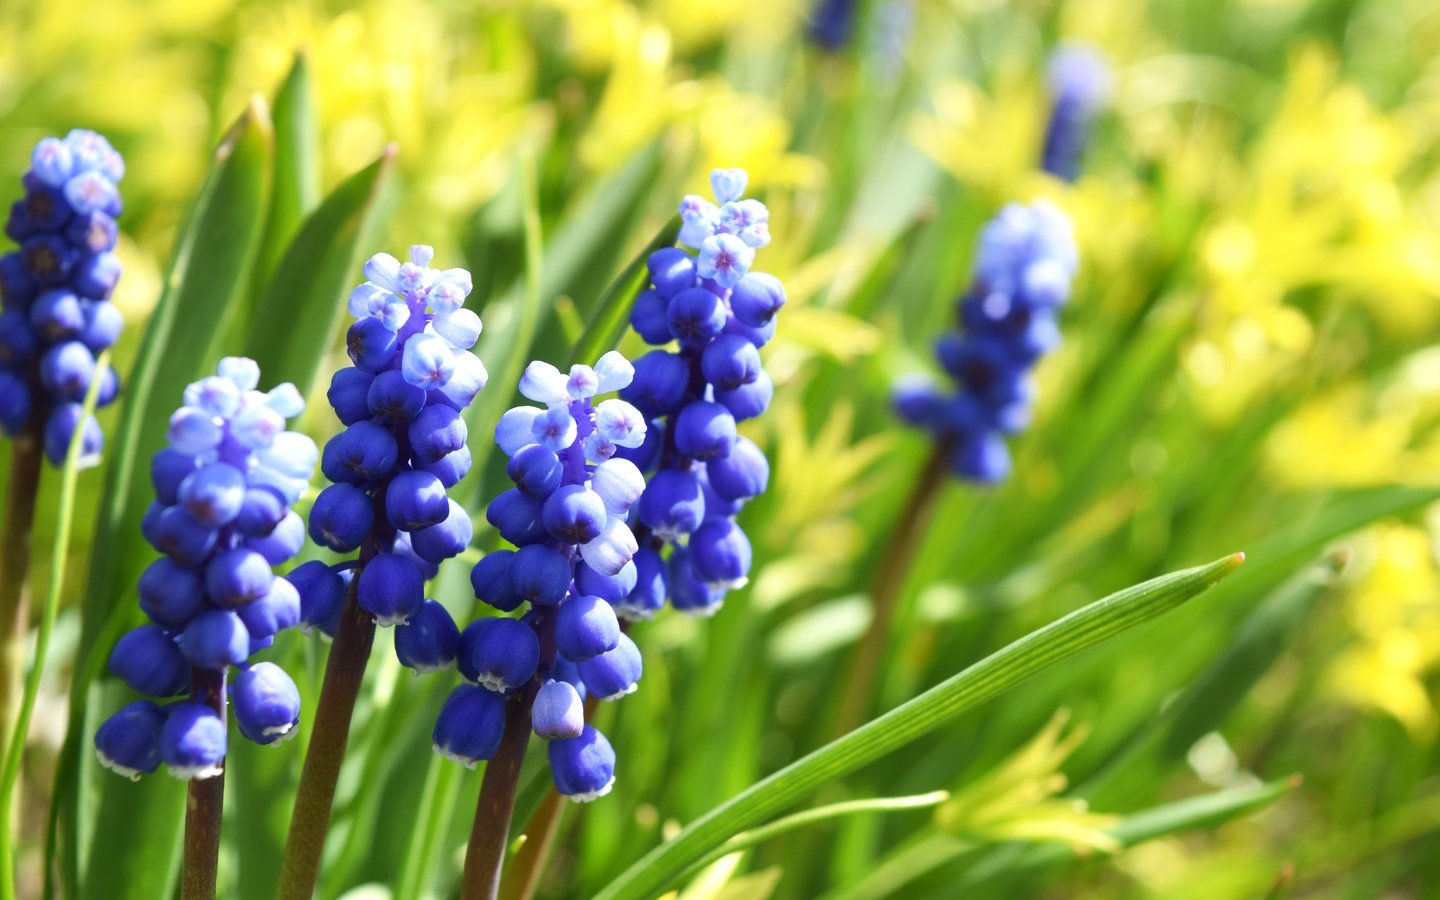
column 612, row 313
column 296, row 189
column 991, row 676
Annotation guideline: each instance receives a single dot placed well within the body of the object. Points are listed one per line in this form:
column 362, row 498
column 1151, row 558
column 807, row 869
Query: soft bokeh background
column 1251, row 362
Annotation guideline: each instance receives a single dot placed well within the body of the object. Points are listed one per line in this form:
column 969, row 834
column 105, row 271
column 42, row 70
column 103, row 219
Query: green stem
column 485, row 856
column 204, row 803
column 315, row 796
column 899, row 552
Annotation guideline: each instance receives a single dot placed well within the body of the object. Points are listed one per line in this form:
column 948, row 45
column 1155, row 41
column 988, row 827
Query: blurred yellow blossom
column 1394, row 611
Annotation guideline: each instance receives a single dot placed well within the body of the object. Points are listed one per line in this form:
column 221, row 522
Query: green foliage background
column 1249, row 365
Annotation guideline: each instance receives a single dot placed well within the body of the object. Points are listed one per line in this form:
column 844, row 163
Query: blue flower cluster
column 566, row 517
column 403, row 445
column 222, row 517
column 718, row 314
column 1023, row 269
column 55, row 291
column 1079, row 85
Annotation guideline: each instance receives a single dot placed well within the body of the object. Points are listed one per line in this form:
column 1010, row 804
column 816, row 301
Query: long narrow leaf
column 612, row 313
column 991, row 676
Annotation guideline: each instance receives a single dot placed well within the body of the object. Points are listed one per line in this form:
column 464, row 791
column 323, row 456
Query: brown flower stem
column 898, row 553
column 204, row 803
column 21, row 492
column 489, row 836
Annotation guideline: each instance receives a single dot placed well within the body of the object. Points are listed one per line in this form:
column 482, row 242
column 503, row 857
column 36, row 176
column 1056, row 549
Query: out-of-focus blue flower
column 1079, row 79
column 222, row 517
column 55, row 290
column 1023, row 269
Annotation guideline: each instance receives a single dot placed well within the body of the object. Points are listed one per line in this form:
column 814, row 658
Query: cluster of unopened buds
column 222, row 516
column 56, row 288
column 566, row 517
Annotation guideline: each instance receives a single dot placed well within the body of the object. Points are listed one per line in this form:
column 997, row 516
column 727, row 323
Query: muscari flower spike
column 716, row 314
column 1024, row 266
column 567, row 519
column 402, row 448
column 55, row 314
column 222, row 517
column 1079, row 80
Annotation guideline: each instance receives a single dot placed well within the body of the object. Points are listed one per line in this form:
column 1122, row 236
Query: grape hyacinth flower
column 222, row 518
column 717, row 314
column 403, row 446
column 55, row 314
column 832, row 23
column 567, row 519
column 1024, row 266
column 1079, row 80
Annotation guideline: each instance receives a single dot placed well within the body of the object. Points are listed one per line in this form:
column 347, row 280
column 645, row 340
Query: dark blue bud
column 743, row 474
column 96, row 275
column 214, row 639
column 613, row 674
column 915, row 401
column 575, row 514
column 445, row 539
column 277, row 610
column 48, row 258
column 981, row 457
column 558, row 711
column 720, row 553
column 672, row 505
column 95, row 232
column 360, row 454
column 613, row 588
column 583, row 767
column 688, row 594
column 17, row 341
column 170, row 593
column 213, row 494
column 758, row 336
column 748, row 400
column 128, row 743
column 109, row 388
column 391, row 588
column 192, row 741
column 518, row 517
column 57, row 315
column 660, row 384
column 17, row 285
column 491, row 580
column 371, row 345
column 585, row 626
column 349, row 395
column 505, row 654
column 704, row 430
column 436, row 431
column 60, row 427
column 451, row 467
column 393, row 400
column 715, row 505
column 730, row 361
column 695, row 315
column 147, row 659
column 756, row 299
column 266, row 703
column 260, row 511
column 428, row 642
column 45, row 209
column 672, row 270
column 649, row 318
column 322, row 596
column 535, row 470
column 650, row 590
column 414, row 500
column 540, row 575
column 341, row 518
column 15, row 403
column 66, row 370
column 103, row 324
column 180, row 537
column 236, row 577
column 168, row 468
column 470, row 725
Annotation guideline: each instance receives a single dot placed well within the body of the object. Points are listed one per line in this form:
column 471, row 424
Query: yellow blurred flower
column 1394, row 613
